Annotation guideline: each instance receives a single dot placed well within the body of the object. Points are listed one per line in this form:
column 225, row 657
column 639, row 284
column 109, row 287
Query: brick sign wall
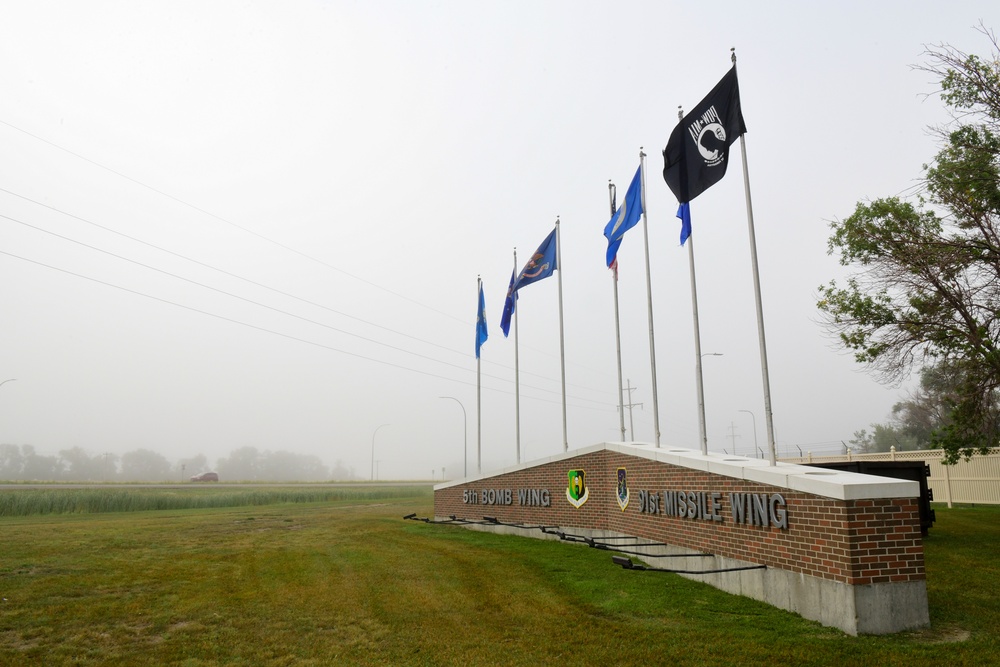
column 850, row 541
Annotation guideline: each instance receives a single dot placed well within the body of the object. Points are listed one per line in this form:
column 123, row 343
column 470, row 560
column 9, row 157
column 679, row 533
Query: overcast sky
column 233, row 224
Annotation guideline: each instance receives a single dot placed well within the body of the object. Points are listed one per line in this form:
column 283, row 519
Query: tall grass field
column 55, row 500
column 343, row 580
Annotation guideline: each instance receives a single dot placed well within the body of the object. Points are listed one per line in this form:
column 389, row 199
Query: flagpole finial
column 732, row 50
column 680, row 112
column 642, row 153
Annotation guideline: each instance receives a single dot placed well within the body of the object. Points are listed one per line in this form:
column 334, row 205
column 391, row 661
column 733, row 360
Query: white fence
column 973, row 481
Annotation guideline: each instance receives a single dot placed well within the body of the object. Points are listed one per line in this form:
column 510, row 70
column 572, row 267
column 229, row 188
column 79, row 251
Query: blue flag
column 481, row 333
column 684, row 213
column 541, row 265
column 508, row 306
column 625, row 217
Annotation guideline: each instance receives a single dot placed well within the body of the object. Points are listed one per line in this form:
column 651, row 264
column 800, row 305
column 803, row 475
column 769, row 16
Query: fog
column 259, row 226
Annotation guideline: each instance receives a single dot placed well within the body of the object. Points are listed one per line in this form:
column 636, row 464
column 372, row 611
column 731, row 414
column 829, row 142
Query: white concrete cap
column 834, row 484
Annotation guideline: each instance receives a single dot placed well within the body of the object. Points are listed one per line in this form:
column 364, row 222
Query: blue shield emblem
column 622, row 489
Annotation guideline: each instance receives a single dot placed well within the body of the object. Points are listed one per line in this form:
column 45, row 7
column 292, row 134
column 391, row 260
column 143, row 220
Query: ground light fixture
column 626, row 563
column 600, row 543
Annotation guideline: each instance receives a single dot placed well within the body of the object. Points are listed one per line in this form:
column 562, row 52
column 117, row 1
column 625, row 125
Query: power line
column 251, row 282
column 269, row 240
column 229, row 222
column 230, row 294
column 278, row 333
column 215, row 268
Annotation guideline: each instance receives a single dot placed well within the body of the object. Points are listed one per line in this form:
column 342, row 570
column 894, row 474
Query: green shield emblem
column 577, row 491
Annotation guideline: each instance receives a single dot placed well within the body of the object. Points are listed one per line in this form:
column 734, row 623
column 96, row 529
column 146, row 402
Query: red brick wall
column 856, row 542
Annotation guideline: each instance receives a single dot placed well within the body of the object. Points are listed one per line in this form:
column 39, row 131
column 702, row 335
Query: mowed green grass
column 348, row 582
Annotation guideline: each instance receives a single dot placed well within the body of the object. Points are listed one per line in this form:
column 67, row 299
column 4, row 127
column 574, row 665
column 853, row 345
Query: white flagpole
column 699, row 380
column 618, row 335
column 479, row 394
column 760, row 308
column 698, row 375
column 649, row 300
column 562, row 339
column 517, row 376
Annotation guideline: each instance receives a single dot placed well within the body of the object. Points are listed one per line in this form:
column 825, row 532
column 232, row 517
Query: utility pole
column 629, row 405
column 755, row 446
column 732, row 436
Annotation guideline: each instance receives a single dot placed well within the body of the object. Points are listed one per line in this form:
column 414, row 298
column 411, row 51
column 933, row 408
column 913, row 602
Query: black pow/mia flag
column 697, row 153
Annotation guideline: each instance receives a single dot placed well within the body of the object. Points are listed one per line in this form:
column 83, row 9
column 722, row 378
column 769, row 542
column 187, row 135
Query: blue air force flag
column 625, row 217
column 481, row 333
column 684, row 213
column 508, row 305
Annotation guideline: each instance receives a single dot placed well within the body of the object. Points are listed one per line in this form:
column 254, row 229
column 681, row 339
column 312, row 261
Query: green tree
column 926, row 282
column 284, row 466
column 11, row 462
column 38, row 467
column 243, row 464
column 915, row 420
column 882, row 438
column 340, row 471
column 144, row 465
column 80, row 466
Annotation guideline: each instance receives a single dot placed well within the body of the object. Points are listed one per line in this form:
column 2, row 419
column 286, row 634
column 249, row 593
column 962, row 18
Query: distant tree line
column 918, row 421
column 23, row 463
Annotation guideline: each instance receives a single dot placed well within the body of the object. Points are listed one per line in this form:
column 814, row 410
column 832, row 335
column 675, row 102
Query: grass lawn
column 347, row 581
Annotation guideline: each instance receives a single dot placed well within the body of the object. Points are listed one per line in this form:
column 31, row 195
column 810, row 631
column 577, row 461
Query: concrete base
column 873, row 609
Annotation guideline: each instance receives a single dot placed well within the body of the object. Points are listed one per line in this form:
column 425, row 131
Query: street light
column 754, row 428
column 6, row 381
column 373, row 450
column 465, row 431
